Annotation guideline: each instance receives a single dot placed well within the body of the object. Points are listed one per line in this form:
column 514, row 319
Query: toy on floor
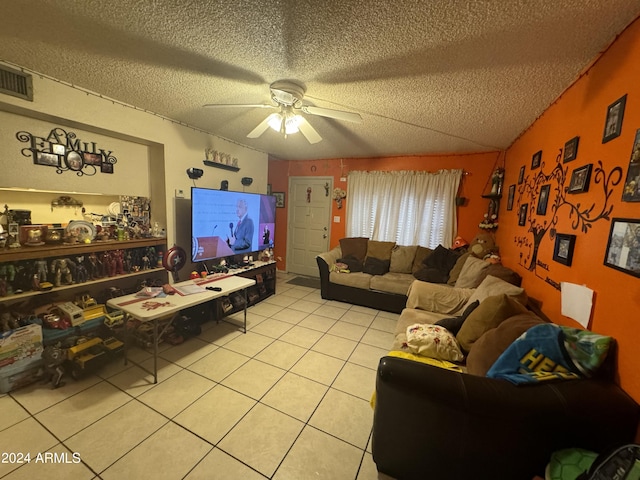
column 54, row 356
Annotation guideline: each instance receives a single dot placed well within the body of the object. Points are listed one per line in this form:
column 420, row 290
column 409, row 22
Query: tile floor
column 288, row 400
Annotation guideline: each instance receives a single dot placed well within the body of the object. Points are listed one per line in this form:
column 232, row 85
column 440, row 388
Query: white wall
column 153, row 153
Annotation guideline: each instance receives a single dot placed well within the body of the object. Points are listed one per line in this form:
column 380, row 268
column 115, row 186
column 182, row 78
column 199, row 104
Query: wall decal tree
column 560, row 201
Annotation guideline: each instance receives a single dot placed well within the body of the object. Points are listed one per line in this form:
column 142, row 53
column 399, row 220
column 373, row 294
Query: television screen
column 224, row 223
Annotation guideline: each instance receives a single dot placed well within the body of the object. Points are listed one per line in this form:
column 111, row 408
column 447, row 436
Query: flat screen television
column 225, row 224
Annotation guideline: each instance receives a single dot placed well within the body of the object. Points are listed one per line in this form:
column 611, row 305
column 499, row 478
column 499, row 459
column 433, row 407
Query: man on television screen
column 242, row 232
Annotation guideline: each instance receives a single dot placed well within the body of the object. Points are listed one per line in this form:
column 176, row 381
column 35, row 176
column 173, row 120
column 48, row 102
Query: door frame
column 326, row 178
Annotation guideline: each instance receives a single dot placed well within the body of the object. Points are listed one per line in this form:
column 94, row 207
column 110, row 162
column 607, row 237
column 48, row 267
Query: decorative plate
column 82, row 229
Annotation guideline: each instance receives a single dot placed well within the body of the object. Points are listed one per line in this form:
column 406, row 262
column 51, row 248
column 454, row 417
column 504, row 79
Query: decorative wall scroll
column 582, row 215
column 66, row 152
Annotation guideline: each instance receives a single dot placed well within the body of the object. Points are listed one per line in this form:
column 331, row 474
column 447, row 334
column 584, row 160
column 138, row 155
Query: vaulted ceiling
column 426, row 76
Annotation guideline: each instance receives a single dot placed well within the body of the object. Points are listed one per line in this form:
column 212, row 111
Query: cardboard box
column 21, row 373
column 20, row 343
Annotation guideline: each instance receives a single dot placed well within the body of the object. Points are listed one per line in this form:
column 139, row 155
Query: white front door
column 309, row 222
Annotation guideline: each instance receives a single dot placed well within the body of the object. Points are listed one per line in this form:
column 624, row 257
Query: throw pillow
column 354, row 246
column 431, row 275
column 486, row 350
column 421, row 254
column 454, row 324
column 402, row 258
column 375, row 266
column 353, row 264
column 380, row 250
column 457, row 268
column 503, row 273
column 471, row 274
column 442, row 259
column 491, row 312
column 433, row 341
column 494, row 286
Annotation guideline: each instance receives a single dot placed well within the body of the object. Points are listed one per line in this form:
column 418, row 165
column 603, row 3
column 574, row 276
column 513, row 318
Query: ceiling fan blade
column 261, row 128
column 238, row 105
column 309, row 132
column 329, row 112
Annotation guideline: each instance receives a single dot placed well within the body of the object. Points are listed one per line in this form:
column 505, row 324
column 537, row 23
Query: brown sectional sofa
column 436, row 419
column 388, row 291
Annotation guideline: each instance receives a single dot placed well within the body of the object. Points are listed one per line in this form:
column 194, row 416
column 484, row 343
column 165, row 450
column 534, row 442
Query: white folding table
column 152, row 309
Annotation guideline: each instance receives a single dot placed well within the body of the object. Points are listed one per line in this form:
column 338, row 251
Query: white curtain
column 406, row 207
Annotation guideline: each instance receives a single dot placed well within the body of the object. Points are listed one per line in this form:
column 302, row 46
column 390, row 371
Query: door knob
column 324, row 235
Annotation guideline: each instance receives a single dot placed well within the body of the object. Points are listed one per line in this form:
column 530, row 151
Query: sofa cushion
column 491, row 312
column 421, row 255
column 398, row 283
column 357, row 279
column 494, row 286
column 402, row 258
column 438, row 298
column 409, row 316
column 471, row 274
column 433, row 341
column 354, row 246
column 457, row 268
column 380, row 250
column 454, row 324
column 486, row 350
column 375, row 266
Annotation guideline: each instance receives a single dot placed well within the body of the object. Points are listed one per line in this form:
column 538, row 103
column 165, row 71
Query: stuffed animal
column 483, row 246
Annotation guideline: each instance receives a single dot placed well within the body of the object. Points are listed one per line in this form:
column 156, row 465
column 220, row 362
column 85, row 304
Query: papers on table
column 149, row 292
column 189, row 289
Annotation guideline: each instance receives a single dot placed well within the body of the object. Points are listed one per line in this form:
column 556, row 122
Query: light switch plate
column 336, row 219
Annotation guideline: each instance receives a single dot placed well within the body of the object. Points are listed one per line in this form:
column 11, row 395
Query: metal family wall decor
column 66, row 152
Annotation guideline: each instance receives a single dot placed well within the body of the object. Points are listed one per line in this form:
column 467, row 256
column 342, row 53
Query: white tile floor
column 288, row 400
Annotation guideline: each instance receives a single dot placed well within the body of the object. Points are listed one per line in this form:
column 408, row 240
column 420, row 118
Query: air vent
column 16, row 83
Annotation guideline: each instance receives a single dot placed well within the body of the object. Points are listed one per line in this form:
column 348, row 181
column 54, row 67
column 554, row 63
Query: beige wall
column 153, row 153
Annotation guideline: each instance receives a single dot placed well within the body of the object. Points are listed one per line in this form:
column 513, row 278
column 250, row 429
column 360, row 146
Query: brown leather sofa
column 433, row 423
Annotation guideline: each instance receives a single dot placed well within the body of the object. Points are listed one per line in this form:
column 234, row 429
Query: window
column 406, row 207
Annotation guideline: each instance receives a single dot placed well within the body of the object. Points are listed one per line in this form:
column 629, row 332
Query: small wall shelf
column 223, row 166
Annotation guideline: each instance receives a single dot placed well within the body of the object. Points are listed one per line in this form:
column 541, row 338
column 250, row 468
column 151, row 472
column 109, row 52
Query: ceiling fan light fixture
column 292, row 124
column 275, row 121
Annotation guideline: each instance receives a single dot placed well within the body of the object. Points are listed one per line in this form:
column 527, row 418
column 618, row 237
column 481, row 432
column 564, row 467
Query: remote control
column 215, row 289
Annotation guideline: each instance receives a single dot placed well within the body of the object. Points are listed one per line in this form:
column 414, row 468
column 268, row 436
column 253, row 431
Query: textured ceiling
column 426, row 76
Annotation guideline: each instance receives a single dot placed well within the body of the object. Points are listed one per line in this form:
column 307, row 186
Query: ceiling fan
column 287, row 99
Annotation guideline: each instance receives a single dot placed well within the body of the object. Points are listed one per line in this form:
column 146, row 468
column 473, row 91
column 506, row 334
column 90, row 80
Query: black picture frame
column 570, row 150
column 47, row 159
column 580, row 178
column 563, row 249
column 279, row 199
column 631, row 190
column 623, row 246
column 543, row 199
column 536, row 160
column 512, row 193
column 106, row 167
column 613, row 120
column 521, row 175
column 522, row 214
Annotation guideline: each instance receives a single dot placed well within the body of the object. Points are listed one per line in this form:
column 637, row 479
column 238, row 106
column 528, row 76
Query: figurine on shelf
column 54, row 357
column 81, row 275
column 118, row 259
column 108, row 264
column 94, row 266
column 42, row 271
column 496, row 181
column 61, row 271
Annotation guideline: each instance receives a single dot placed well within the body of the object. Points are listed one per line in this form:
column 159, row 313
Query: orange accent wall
column 478, row 166
column 581, row 111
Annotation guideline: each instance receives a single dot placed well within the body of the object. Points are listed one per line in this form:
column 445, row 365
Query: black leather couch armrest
column 465, row 426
